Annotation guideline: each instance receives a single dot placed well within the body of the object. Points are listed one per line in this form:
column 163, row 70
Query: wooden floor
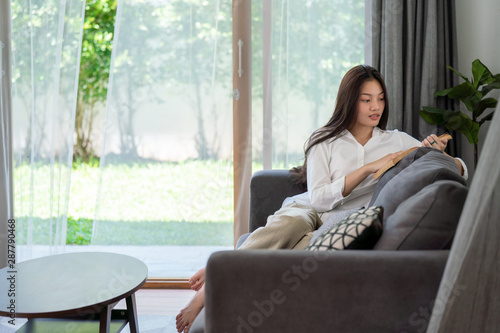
column 160, row 302
column 150, row 302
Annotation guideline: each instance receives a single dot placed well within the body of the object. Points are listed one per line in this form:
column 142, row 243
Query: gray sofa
column 390, row 288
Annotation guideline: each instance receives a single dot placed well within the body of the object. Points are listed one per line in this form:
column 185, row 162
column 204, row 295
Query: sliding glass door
column 297, row 52
column 200, row 95
column 157, row 182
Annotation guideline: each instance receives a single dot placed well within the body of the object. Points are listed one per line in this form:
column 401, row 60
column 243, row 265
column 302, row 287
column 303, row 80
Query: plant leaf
column 462, row 91
column 443, row 92
column 458, row 73
column 482, row 74
column 483, row 105
column 469, row 128
column 487, row 118
column 493, row 85
column 466, row 93
column 454, row 123
column 432, row 115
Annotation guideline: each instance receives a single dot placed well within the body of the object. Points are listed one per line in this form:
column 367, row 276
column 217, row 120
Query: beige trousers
column 291, row 227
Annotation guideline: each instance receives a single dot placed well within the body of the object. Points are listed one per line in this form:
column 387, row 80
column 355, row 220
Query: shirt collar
column 376, row 131
column 346, row 134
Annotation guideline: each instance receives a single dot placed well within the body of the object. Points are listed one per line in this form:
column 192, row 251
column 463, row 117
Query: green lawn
column 189, row 203
column 79, row 232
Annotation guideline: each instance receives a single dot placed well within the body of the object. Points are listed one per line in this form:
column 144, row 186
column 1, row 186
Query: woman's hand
column 435, row 142
column 355, row 178
column 376, row 165
column 440, row 143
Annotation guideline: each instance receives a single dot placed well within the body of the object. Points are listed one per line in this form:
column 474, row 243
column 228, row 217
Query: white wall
column 478, row 37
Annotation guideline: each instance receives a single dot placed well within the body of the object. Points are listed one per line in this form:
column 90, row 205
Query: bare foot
column 197, row 280
column 186, row 317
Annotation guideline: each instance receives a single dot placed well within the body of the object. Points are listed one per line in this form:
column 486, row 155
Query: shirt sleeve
column 325, row 193
column 466, row 171
column 407, row 141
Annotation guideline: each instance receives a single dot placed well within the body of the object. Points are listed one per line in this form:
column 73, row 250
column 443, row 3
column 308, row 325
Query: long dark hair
column 344, row 115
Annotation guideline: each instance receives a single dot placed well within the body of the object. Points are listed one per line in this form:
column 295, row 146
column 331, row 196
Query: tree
column 45, row 51
column 170, row 45
column 97, row 41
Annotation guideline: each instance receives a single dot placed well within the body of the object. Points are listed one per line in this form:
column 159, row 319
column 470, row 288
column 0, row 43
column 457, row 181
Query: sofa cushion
column 242, row 239
column 360, row 230
column 427, row 169
column 427, row 220
column 268, row 190
column 395, row 170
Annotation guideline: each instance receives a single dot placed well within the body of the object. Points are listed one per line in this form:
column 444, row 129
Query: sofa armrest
column 302, row 291
column 268, row 190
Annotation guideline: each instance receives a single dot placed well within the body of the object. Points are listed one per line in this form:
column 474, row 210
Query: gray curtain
column 6, row 206
column 469, row 296
column 412, row 43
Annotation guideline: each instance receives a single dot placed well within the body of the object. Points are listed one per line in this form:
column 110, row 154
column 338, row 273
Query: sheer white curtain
column 46, row 44
column 305, row 48
column 166, row 149
column 166, row 170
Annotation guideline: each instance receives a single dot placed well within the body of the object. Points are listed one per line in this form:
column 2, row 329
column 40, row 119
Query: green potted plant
column 472, row 93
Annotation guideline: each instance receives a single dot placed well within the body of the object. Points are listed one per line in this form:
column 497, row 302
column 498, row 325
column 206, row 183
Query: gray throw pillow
column 429, row 168
column 427, row 220
column 403, row 164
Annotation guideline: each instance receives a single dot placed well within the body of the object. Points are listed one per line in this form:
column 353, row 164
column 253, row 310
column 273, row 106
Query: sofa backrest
column 268, row 190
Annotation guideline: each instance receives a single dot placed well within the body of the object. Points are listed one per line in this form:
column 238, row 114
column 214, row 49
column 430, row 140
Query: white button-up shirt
column 329, row 162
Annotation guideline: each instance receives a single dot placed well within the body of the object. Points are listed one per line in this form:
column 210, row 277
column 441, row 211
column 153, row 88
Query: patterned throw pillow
column 360, row 230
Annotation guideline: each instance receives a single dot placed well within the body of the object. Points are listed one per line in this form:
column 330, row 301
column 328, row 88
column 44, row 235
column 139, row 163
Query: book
column 396, row 160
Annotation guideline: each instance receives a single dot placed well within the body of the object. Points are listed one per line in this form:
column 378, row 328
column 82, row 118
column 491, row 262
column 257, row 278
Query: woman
column 340, row 160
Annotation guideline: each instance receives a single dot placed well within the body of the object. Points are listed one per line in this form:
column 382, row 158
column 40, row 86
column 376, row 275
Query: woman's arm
column 328, row 188
column 355, row 178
